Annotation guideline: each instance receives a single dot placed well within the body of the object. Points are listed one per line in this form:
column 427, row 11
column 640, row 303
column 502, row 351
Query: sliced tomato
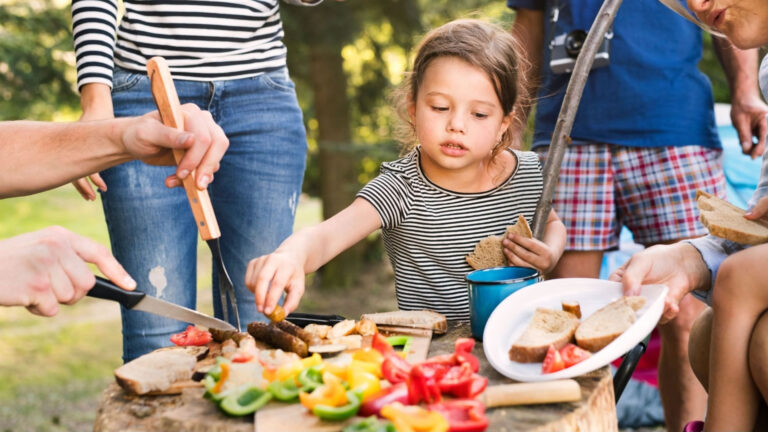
column 572, row 354
column 192, row 336
column 553, row 361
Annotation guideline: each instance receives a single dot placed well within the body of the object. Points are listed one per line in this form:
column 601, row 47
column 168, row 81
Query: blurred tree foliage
column 36, row 60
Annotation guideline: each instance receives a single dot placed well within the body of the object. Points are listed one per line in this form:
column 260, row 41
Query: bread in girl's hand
column 725, row 220
column 547, row 327
column 605, row 325
column 489, row 252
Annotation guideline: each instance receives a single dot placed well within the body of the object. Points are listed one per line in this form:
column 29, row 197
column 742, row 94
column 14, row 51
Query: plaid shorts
column 650, row 190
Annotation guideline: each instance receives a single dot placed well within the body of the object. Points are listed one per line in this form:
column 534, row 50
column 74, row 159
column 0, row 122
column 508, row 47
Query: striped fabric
column 428, row 231
column 201, row 39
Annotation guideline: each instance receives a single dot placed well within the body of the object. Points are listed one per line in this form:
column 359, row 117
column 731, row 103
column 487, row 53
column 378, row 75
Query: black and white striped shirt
column 428, row 231
column 202, row 40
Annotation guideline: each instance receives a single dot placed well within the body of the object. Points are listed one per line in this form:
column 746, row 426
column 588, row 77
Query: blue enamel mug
column 488, row 287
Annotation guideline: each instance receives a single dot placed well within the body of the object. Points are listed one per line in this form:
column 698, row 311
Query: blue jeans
column 254, row 195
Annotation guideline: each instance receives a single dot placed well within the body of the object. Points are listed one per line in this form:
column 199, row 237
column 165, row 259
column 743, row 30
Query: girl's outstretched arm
column 304, row 252
column 541, row 255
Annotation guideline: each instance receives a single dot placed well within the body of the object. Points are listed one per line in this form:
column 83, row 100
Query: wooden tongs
column 167, row 101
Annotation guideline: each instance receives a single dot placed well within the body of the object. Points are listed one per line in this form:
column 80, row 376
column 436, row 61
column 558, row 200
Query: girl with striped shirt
column 460, row 184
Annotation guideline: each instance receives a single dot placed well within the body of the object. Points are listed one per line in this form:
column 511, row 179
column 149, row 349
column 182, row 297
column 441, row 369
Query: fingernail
column 183, row 138
column 183, row 174
column 203, row 181
column 173, row 182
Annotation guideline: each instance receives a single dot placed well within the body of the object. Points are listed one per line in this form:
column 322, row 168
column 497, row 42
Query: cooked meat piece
column 297, row 331
column 342, row 328
column 272, row 335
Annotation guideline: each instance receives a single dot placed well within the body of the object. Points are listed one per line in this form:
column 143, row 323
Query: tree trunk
column 338, row 162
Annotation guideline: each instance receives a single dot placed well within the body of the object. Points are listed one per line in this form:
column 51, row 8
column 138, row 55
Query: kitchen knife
column 133, row 300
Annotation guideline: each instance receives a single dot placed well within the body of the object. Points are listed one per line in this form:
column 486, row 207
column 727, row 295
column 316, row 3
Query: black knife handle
column 304, row 319
column 105, row 289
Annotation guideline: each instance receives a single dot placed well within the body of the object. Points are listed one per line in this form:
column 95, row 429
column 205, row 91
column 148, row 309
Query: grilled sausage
column 299, row 332
column 272, row 335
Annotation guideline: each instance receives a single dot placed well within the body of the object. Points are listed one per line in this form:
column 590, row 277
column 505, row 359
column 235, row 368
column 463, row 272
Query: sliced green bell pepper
column 310, row 378
column 284, row 391
column 370, row 424
column 245, row 402
column 403, row 341
column 339, row 413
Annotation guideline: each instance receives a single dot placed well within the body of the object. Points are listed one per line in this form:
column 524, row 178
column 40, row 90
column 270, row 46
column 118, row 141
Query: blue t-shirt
column 652, row 93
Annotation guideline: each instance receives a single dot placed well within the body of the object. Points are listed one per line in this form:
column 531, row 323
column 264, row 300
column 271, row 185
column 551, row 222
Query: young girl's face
column 457, row 116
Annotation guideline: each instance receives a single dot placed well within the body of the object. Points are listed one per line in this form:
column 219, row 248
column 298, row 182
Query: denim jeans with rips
column 254, row 195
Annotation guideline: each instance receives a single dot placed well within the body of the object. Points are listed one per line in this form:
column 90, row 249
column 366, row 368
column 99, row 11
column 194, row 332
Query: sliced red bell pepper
column 463, row 415
column 394, row 393
column 423, row 382
column 394, row 368
column 463, row 353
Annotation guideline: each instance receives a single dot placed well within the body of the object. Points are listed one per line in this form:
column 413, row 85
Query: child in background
column 458, row 183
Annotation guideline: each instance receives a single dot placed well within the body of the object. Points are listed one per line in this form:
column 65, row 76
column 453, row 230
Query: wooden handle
column 167, row 102
column 532, row 393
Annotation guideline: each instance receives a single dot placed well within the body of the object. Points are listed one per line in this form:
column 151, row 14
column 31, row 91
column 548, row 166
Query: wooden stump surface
column 189, row 412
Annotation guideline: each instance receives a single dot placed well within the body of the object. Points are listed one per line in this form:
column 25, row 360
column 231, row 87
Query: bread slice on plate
column 425, row 319
column 489, row 252
column 725, row 220
column 547, row 327
column 156, row 371
column 605, row 325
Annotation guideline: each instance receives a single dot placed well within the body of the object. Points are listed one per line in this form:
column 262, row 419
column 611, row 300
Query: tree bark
column 338, row 162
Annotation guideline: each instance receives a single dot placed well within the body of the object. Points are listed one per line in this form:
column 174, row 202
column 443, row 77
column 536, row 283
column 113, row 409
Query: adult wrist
column 695, row 267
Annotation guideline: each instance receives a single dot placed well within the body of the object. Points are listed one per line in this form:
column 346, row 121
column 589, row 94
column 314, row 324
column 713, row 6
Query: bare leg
column 682, row 396
column 698, row 351
column 578, row 264
column 739, row 300
column 698, row 346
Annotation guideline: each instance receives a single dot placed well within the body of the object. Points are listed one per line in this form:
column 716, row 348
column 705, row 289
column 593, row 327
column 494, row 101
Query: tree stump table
column 189, row 412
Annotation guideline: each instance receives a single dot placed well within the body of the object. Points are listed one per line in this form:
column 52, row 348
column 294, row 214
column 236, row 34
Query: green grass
column 53, row 369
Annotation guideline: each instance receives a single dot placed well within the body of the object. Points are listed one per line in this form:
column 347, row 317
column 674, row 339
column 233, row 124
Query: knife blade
column 106, row 290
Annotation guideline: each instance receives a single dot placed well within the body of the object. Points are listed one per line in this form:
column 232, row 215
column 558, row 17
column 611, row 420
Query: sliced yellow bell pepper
column 371, row 368
column 331, row 393
column 359, row 378
column 413, row 418
column 368, row 355
column 222, row 377
column 290, row 370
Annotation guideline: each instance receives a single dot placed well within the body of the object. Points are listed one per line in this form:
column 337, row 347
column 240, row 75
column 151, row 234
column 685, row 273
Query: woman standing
column 227, row 58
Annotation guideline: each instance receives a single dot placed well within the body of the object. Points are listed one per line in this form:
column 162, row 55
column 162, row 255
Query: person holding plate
column 728, row 349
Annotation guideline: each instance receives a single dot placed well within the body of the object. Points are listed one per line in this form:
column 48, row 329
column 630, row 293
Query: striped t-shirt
column 428, row 231
column 202, row 40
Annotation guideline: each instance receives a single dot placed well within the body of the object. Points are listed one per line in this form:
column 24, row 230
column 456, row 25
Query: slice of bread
column 489, row 252
column 610, row 321
column 425, row 319
column 725, row 220
column 156, row 371
column 547, row 327
column 520, row 228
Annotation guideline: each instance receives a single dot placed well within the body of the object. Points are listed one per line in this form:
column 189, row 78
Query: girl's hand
column 269, row 275
column 529, row 252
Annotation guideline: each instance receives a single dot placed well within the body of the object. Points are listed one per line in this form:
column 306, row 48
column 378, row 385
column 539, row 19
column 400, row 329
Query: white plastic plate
column 511, row 317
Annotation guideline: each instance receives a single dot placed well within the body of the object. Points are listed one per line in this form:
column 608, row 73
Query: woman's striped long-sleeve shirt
column 201, row 40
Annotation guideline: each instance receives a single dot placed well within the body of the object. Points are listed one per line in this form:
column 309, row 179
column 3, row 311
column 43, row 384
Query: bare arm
column 747, row 108
column 528, row 29
column 40, row 155
column 306, row 251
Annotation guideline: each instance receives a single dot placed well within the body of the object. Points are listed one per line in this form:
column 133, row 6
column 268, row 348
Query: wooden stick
column 560, row 136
